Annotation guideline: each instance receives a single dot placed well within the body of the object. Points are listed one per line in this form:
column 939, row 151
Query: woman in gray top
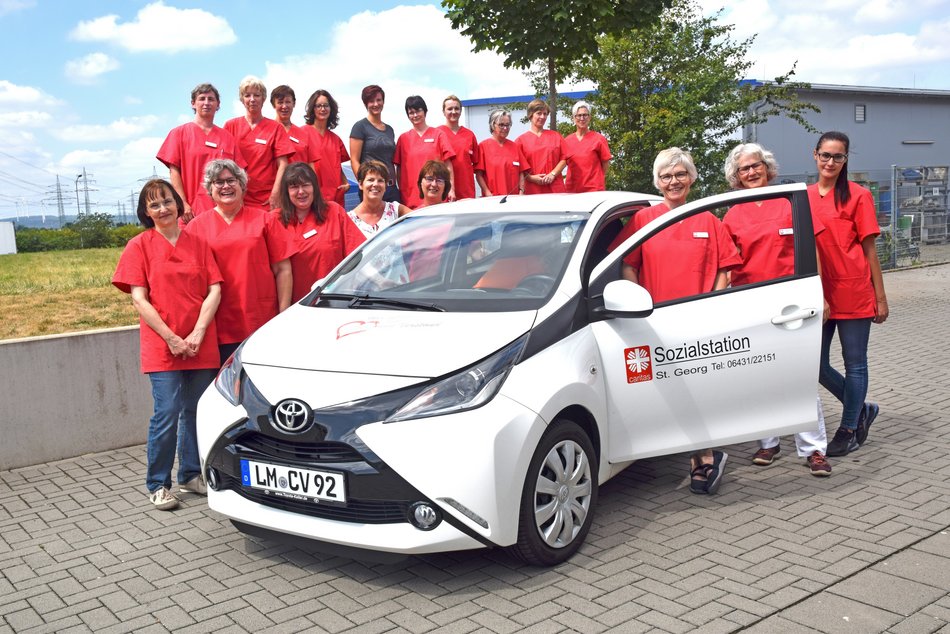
column 370, row 138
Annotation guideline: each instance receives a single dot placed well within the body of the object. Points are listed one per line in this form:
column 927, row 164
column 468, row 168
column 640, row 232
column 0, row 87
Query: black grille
column 360, row 511
column 298, row 452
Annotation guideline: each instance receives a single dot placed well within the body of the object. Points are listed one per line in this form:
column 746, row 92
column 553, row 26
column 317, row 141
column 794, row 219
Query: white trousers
column 806, row 442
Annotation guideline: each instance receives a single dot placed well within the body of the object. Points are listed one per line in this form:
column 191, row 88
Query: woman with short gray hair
column 502, row 166
column 588, row 155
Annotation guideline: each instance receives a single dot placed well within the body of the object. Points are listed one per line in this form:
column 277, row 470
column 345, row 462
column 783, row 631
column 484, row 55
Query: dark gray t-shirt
column 379, row 145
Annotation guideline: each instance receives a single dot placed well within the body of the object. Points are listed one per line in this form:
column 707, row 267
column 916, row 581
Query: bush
column 123, row 233
column 33, row 240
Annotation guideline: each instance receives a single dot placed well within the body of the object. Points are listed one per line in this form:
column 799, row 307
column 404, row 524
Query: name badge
column 261, row 141
column 310, row 234
column 292, row 139
column 786, row 232
column 428, row 140
column 211, row 144
column 700, row 234
column 516, row 163
column 471, row 151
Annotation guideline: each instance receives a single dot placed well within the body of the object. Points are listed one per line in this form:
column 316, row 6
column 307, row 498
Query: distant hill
column 52, row 221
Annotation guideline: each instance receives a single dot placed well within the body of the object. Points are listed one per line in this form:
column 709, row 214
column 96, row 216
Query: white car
column 469, row 377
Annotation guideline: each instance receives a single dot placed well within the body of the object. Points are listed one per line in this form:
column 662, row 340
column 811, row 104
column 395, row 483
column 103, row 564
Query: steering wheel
column 538, row 284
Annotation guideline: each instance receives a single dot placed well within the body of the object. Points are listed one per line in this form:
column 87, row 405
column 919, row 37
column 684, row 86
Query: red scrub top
column 177, row 279
column 845, row 272
column 585, row 159
column 244, row 251
column 320, row 247
column 412, row 151
column 261, row 146
column 502, row 165
column 300, row 140
column 684, row 258
column 465, row 146
column 332, row 153
column 765, row 238
column 543, row 153
column 188, row 148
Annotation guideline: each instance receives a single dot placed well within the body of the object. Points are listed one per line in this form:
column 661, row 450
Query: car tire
column 558, row 497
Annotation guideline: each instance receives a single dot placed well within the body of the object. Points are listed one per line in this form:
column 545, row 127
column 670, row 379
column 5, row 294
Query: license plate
column 294, row 483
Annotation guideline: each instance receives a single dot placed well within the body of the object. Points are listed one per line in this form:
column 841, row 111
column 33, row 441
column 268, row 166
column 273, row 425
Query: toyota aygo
column 472, row 374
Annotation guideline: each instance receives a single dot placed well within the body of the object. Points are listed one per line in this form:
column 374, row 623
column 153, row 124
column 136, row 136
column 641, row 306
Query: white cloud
column 124, row 128
column 160, row 28
column 85, row 70
column 11, row 93
column 10, row 6
column 24, row 118
column 131, row 100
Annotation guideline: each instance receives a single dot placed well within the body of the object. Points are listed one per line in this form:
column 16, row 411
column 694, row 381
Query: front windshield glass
column 463, row 262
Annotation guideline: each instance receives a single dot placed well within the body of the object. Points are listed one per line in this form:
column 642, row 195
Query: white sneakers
column 195, row 485
column 163, row 500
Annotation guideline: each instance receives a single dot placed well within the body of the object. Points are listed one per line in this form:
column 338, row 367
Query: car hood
column 382, row 342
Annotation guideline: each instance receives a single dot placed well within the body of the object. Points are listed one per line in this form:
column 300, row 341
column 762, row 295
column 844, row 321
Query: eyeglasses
column 434, row 179
column 582, row 116
column 322, row 106
column 748, row 169
column 230, row 182
column 168, row 203
column 824, row 157
column 668, row 178
column 502, row 125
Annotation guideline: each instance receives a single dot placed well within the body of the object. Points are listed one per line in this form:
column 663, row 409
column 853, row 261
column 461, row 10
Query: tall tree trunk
column 552, row 94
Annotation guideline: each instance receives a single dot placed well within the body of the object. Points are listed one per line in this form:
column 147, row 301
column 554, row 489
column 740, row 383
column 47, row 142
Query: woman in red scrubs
column 284, row 100
column 691, row 257
column 502, row 165
column 763, row 233
column 176, row 287
column 853, row 285
column 545, row 152
column 433, row 183
column 264, row 145
column 588, row 155
column 322, row 232
column 252, row 250
column 322, row 116
column 464, row 144
column 415, row 147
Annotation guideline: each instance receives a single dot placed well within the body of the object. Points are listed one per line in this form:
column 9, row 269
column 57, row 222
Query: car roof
column 583, row 203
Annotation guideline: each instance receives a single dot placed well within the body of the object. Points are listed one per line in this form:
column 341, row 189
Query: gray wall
column 67, row 395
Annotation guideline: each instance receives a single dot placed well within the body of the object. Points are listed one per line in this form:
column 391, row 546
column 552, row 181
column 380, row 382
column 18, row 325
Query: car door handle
column 801, row 313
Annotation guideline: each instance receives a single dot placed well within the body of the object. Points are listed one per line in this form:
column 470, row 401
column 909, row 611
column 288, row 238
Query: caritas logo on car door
column 638, row 363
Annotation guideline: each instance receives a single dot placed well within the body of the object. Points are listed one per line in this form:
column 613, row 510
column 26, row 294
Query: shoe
column 844, row 442
column 195, row 485
column 766, row 456
column 163, row 500
column 697, row 478
column 714, row 476
column 868, row 414
column 819, row 465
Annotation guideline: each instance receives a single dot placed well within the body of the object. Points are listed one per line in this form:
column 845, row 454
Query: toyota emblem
column 291, row 415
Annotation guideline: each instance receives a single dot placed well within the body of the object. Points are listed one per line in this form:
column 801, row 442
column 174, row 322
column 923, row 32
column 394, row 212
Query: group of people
column 252, row 215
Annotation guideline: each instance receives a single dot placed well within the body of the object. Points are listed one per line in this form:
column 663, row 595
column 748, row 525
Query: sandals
column 706, row 478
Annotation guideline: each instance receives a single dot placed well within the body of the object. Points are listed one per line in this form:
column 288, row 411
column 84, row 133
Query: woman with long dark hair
column 322, row 116
column 853, row 286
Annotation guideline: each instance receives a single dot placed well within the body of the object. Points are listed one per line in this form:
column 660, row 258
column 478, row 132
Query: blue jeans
column 852, row 388
column 172, row 426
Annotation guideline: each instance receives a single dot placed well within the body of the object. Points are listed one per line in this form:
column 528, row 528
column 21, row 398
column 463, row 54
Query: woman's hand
column 881, row 311
column 194, row 340
column 178, row 347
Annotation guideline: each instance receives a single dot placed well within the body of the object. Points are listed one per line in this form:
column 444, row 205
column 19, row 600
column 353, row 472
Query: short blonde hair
column 251, row 82
column 671, row 157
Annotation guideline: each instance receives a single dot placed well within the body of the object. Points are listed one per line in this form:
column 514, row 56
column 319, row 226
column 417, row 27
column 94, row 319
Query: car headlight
column 470, row 388
column 229, row 377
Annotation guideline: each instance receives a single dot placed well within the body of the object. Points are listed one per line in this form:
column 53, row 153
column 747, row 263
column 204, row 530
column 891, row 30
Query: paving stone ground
column 777, row 550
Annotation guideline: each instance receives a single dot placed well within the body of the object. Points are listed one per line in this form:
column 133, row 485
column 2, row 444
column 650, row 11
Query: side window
column 764, row 234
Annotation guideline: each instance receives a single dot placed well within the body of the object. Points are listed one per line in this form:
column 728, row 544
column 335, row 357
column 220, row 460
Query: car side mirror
column 623, row 298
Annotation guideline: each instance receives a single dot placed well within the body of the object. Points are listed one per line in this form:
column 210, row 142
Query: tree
column 558, row 33
column 680, row 83
column 94, row 230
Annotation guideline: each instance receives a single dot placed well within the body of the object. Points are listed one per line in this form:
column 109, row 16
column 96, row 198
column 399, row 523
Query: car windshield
column 462, row 262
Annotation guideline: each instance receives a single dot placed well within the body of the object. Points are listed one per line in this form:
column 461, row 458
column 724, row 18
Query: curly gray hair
column 731, row 168
column 214, row 168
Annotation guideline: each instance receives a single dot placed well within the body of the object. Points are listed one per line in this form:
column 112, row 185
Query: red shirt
column 332, row 153
column 412, row 151
column 465, row 146
column 684, row 258
column 300, row 140
column 188, row 148
column 502, row 165
column 261, row 146
column 543, row 153
column 177, row 280
column 320, row 247
column 765, row 237
column 585, row 162
column 845, row 273
column 244, row 251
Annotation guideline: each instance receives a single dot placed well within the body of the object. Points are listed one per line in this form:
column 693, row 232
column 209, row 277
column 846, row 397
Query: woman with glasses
column 765, row 237
column 502, row 165
column 322, row 117
column 545, row 151
column 588, row 156
column 853, row 286
column 416, row 146
column 176, row 287
column 433, row 183
column 252, row 250
column 691, row 257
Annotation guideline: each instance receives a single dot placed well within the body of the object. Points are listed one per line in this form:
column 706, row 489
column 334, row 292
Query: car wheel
column 558, row 498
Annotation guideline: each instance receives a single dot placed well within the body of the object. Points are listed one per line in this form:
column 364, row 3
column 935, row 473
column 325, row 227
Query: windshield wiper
column 361, row 300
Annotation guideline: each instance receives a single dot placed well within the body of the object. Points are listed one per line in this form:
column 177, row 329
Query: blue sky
column 97, row 85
